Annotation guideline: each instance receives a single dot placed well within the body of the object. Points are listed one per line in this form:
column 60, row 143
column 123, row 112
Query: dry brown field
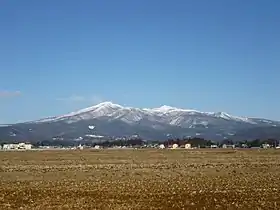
column 140, row 179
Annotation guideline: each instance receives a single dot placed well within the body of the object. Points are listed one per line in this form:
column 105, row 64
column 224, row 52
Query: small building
column 188, row 146
column 244, row 145
column 24, row 146
column 20, row 146
column 225, row 146
column 175, row 146
column 214, row 146
column 28, row 146
column 265, row 146
column 80, row 147
column 10, row 146
column 161, row 146
column 96, row 147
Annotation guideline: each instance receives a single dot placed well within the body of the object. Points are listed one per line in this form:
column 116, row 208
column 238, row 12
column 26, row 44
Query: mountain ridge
column 111, row 120
column 162, row 109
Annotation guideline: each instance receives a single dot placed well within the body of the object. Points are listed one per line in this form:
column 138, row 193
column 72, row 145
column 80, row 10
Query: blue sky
column 60, row 56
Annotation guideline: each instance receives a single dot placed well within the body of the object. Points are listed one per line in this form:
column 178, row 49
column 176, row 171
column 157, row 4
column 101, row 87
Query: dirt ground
column 140, row 179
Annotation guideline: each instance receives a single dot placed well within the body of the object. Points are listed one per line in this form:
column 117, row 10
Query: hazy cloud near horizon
column 9, row 94
column 80, row 98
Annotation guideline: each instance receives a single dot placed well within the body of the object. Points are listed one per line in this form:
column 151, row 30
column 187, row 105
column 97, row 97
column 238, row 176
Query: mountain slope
column 111, row 120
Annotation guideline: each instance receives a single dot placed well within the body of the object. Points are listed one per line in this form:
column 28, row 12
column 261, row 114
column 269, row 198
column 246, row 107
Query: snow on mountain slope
column 112, row 120
column 99, row 110
column 164, row 114
column 168, row 109
column 227, row 116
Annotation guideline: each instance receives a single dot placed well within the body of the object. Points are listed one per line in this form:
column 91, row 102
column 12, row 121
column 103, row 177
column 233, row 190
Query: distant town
column 194, row 143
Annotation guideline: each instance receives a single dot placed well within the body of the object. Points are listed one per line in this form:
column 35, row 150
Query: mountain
column 109, row 120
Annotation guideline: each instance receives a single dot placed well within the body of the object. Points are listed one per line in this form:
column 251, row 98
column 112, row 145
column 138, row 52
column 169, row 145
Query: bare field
column 140, row 179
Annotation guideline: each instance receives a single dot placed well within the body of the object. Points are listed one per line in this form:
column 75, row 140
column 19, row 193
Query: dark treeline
column 68, row 143
column 200, row 142
column 55, row 143
column 129, row 142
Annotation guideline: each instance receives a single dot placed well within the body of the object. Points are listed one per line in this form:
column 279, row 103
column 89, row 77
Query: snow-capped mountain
column 164, row 114
column 109, row 119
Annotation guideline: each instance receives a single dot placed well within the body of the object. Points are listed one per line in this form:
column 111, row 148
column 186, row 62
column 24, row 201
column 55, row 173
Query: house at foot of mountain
column 19, row 146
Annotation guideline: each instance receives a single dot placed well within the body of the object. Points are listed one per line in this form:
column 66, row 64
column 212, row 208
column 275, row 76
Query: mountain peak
column 107, row 104
column 166, row 108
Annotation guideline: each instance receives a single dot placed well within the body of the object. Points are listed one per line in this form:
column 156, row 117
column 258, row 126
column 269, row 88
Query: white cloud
column 72, row 98
column 96, row 99
column 9, row 94
column 79, row 98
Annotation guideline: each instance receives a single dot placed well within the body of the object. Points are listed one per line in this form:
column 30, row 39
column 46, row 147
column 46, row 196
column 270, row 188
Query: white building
column 244, row 145
column 20, row 146
column 188, row 146
column 225, row 146
column 96, row 147
column 265, row 146
column 24, row 146
column 80, row 147
column 175, row 146
column 161, row 146
column 10, row 146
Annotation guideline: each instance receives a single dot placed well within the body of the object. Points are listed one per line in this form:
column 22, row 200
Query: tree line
column 201, row 142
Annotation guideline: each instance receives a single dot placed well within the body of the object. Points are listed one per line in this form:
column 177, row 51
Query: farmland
column 140, row 179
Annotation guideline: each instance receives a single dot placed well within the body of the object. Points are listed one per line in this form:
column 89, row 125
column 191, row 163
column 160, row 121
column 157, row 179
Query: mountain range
column 112, row 121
